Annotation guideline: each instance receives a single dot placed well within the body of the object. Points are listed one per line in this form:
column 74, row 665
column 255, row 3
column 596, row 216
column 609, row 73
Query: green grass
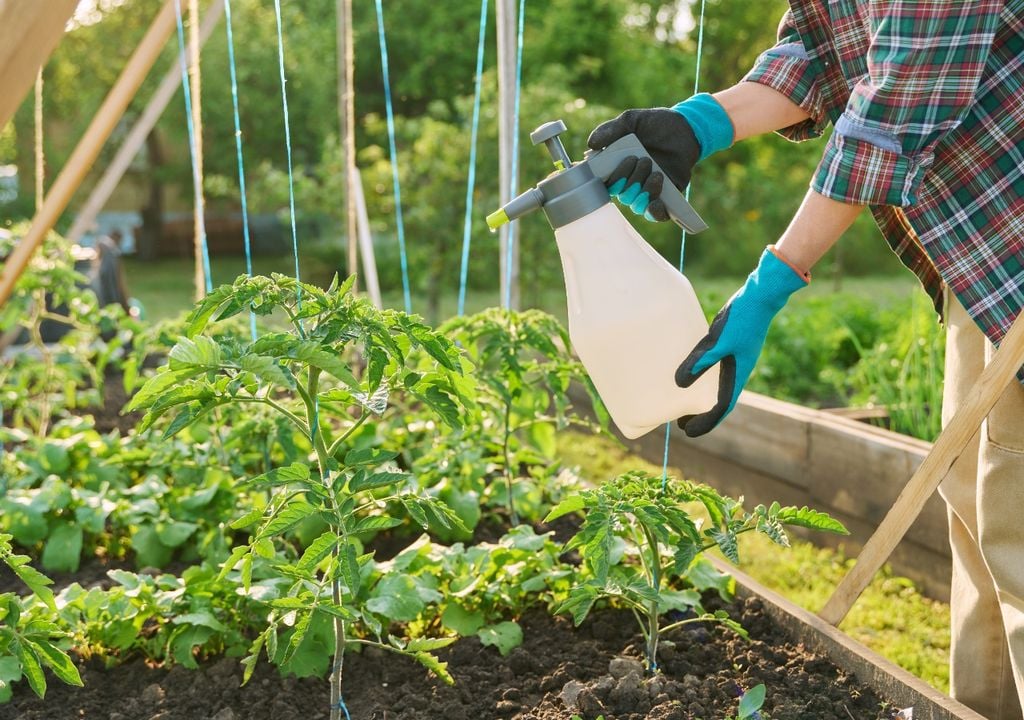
column 891, row 617
column 166, row 286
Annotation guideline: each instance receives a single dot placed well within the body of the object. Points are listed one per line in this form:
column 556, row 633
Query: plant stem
column 336, row 445
column 312, row 415
column 513, row 516
column 652, row 611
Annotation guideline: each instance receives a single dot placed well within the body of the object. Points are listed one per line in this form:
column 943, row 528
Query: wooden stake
column 199, row 204
column 89, row 146
column 29, row 31
column 347, row 120
column 365, row 239
column 40, row 154
column 507, row 28
column 136, row 137
column 997, row 375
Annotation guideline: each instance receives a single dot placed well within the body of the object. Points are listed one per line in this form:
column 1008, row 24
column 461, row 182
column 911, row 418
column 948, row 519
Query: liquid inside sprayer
column 633, row 317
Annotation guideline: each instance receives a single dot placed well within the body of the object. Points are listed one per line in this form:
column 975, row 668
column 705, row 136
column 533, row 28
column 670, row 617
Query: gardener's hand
column 677, row 138
column 736, row 337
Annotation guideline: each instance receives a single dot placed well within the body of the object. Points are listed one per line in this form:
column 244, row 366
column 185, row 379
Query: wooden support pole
column 507, row 30
column 365, row 239
column 199, row 204
column 136, row 137
column 89, row 146
column 997, row 375
column 347, row 120
column 29, row 31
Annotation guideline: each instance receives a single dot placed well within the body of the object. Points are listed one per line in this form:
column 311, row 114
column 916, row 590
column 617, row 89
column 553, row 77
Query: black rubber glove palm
column 669, row 139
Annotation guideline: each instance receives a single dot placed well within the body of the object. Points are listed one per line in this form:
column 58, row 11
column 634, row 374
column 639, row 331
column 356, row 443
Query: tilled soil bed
column 558, row 671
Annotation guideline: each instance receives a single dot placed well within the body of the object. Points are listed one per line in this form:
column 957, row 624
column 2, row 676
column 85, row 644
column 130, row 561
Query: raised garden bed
column 768, row 450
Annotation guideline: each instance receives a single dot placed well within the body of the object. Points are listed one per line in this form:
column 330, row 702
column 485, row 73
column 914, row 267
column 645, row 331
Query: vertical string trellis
column 238, row 150
column 287, row 143
column 682, row 239
column 197, row 181
column 394, row 156
column 471, row 181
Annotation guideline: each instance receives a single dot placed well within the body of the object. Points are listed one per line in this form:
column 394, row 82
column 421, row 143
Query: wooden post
column 199, row 203
column 29, row 31
column 998, row 374
column 347, row 124
column 365, row 240
column 40, row 153
column 506, row 28
column 89, row 146
column 137, row 135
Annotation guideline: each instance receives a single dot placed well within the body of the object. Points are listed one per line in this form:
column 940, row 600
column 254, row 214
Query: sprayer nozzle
column 496, row 219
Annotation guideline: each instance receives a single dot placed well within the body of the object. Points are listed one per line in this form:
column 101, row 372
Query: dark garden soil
column 558, row 671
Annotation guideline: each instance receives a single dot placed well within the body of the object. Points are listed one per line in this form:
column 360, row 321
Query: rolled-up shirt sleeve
column 924, row 64
column 787, row 68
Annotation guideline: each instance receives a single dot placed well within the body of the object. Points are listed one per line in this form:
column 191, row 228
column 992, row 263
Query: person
column 926, row 104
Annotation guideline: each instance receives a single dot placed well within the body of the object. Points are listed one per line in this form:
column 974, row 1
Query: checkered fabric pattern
column 926, row 100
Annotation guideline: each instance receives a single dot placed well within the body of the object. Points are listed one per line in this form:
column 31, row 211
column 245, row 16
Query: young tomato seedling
column 304, row 375
column 642, row 517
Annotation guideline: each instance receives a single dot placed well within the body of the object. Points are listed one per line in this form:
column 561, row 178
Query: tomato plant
column 642, row 518
column 336, row 367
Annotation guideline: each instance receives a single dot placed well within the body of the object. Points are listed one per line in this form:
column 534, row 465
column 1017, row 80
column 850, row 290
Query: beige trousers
column 984, row 493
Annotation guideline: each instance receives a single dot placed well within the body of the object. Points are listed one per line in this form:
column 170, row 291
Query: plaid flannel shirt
column 926, row 99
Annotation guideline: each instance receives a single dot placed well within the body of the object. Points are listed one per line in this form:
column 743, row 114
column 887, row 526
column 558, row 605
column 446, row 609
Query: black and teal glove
column 677, row 138
column 736, row 337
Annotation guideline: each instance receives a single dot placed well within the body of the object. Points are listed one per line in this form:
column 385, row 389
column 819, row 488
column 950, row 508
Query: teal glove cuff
column 710, row 123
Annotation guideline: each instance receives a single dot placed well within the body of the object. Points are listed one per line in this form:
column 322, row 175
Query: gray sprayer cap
column 569, row 194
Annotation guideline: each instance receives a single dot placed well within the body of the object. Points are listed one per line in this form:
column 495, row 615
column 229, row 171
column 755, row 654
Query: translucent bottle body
column 633, row 318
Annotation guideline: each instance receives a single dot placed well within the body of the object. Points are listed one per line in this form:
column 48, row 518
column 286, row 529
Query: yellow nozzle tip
column 496, row 219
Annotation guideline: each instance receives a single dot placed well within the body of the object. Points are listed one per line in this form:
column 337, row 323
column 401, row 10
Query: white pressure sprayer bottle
column 633, row 317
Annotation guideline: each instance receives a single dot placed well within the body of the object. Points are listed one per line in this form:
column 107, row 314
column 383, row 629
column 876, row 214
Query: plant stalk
column 513, row 516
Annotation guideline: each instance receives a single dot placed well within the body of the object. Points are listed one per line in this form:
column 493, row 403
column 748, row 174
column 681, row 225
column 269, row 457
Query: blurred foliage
column 584, row 61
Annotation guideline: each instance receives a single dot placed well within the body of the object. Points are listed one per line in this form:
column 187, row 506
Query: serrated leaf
column 58, row 661
column 285, row 519
column 198, row 352
column 368, row 456
column 349, row 568
column 369, row 481
column 31, row 670
column 813, row 519
column 317, row 551
column 573, row 503
column 726, row 541
column 431, row 663
column 374, row 523
column 268, row 370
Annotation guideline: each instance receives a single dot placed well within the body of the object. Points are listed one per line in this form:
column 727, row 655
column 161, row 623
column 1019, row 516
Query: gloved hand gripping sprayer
column 633, row 317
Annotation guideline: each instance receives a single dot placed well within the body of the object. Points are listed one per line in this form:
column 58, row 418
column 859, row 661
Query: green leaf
column 805, row 517
column 317, row 551
column 184, row 642
column 287, row 518
column 435, row 666
column 204, row 618
column 366, row 481
column 751, row 701
column 200, row 352
column 428, row 644
column 396, row 598
column 349, row 567
column 296, row 472
column 63, row 549
column 505, row 636
column 36, row 582
column 174, row 533
column 31, row 670
column 462, row 621
column 149, row 551
column 727, row 543
column 368, row 456
column 573, row 503
column 58, row 661
column 268, row 370
column 374, row 523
